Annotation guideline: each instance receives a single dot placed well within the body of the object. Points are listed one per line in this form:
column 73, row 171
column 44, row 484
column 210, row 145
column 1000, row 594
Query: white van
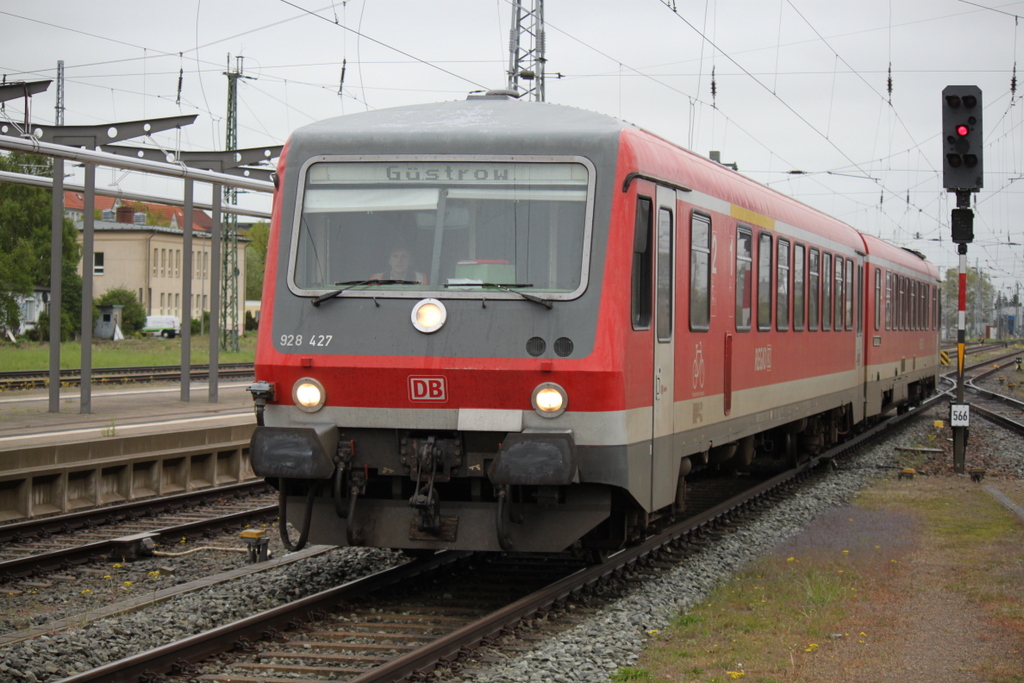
column 167, row 326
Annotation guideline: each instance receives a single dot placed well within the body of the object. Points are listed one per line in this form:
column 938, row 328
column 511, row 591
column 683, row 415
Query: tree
column 133, row 315
column 256, row 259
column 979, row 304
column 25, row 219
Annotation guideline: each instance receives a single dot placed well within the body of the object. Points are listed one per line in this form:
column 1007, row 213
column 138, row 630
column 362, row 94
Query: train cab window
column 665, row 281
column 642, row 279
column 764, row 282
column 465, row 223
column 849, row 294
column 700, row 272
column 782, row 289
column 826, row 292
column 798, row 286
column 878, row 299
column 813, row 293
column 744, row 289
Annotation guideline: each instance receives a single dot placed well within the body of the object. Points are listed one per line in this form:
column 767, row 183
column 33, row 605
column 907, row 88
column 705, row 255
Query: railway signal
column 963, row 173
column 962, row 161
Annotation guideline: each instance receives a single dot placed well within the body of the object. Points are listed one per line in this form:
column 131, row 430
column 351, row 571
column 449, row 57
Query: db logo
column 428, row 389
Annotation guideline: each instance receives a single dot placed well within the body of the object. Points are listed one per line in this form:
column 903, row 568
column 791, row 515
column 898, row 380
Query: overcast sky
column 800, row 85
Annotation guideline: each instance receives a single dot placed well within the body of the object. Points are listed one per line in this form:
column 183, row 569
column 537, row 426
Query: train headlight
column 549, row 399
column 429, row 315
column 309, row 395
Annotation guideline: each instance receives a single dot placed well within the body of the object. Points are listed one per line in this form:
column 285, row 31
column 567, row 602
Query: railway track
column 35, row 379
column 408, row 620
column 36, row 547
column 989, row 403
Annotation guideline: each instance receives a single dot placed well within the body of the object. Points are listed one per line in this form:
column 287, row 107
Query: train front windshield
column 442, row 226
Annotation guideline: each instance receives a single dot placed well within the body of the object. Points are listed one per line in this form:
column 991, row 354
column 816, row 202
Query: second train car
column 503, row 325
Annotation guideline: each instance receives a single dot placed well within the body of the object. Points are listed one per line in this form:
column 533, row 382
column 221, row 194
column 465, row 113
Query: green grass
column 126, row 353
column 826, row 611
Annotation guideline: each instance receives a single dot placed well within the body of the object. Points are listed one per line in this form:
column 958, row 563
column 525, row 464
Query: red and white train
column 496, row 324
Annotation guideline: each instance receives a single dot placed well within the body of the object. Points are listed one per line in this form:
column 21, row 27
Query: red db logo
column 428, row 389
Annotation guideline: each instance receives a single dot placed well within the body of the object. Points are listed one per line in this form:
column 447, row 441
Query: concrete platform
column 138, row 442
column 25, row 420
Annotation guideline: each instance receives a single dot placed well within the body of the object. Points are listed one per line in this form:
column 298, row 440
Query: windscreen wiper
column 356, row 283
column 509, row 287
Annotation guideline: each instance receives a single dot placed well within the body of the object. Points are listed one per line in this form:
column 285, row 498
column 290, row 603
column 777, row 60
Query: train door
column 664, row 346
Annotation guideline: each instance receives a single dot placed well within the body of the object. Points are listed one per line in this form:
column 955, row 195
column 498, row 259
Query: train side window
column 849, row 294
column 913, row 305
column 700, row 272
column 878, row 299
column 901, row 304
column 764, row 281
column 642, row 276
column 888, row 300
column 813, row 298
column 744, row 264
column 838, row 294
column 926, row 306
column 665, row 281
column 782, row 277
column 936, row 308
column 826, row 292
column 798, row 286
column 860, row 299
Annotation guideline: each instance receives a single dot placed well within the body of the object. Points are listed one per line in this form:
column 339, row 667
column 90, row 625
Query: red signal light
column 962, row 130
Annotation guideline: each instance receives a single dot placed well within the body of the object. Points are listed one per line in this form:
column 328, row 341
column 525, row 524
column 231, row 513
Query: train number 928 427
column 311, row 340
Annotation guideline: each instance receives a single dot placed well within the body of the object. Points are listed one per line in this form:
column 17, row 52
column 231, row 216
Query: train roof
column 484, row 125
column 880, row 250
column 499, row 125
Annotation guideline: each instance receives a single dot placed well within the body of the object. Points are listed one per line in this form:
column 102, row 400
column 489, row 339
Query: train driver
column 399, row 262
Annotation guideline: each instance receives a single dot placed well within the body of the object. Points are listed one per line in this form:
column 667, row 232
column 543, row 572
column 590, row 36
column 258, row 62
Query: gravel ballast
column 590, row 651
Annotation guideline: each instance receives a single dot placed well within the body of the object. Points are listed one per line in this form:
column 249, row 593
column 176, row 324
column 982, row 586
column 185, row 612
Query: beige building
column 147, row 259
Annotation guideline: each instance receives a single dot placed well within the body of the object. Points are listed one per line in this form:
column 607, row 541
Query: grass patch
column 125, row 353
column 840, row 603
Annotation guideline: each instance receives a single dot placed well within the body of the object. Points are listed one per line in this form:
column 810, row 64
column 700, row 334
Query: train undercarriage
column 497, row 491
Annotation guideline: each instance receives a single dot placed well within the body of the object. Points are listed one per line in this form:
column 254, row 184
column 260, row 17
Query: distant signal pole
column 229, row 271
column 526, row 51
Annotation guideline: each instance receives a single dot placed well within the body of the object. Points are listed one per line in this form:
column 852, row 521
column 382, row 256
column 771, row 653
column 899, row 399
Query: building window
column 156, row 261
column 97, row 263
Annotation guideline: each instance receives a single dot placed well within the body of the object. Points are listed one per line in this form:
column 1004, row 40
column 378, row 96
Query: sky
column 799, row 85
